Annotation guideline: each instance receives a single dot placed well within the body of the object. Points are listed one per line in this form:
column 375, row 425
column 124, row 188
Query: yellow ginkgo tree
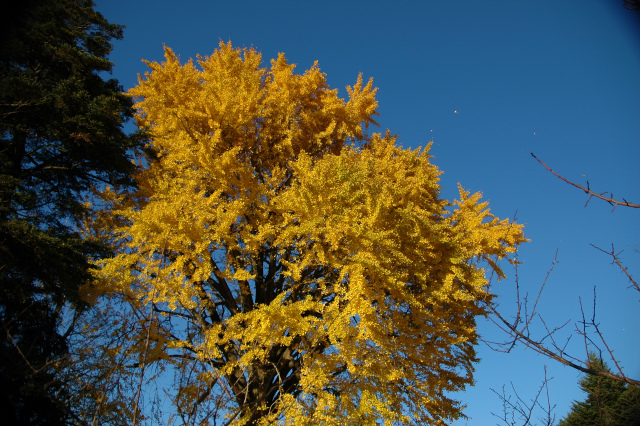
column 296, row 269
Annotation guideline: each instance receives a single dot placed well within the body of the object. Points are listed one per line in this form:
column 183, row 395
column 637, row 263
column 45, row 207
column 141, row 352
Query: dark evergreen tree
column 61, row 131
column 609, row 402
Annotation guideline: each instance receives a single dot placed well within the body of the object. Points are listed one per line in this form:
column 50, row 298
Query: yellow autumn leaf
column 313, row 269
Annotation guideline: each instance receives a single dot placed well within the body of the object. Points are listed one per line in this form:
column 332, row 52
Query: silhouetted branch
column 519, row 412
column 602, row 196
column 617, row 261
column 62, row 403
column 554, row 352
column 519, row 330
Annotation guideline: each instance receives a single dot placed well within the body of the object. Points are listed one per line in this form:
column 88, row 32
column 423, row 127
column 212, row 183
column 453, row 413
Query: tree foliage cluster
column 289, row 266
column 60, row 134
column 281, row 262
column 285, row 264
column 609, row 402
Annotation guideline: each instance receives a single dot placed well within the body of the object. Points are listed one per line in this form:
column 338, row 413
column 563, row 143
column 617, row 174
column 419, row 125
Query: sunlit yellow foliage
column 310, row 270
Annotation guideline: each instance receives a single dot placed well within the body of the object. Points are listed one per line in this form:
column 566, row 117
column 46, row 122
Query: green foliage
column 60, row 134
column 609, row 402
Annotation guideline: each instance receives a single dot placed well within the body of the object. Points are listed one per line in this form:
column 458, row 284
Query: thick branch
column 221, row 286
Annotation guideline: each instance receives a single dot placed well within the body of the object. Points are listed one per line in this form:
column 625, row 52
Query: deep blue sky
column 489, row 82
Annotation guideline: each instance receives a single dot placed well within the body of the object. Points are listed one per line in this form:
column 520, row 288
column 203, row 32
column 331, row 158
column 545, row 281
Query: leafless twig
column 603, row 196
column 617, row 261
column 519, row 330
column 518, row 411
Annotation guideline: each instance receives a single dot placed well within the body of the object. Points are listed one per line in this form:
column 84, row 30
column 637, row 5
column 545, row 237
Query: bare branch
column 554, row 352
column 523, row 410
column 617, row 261
column 561, row 357
column 519, row 329
column 602, row 196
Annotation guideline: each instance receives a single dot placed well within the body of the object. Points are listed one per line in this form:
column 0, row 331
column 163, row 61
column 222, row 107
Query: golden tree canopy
column 299, row 270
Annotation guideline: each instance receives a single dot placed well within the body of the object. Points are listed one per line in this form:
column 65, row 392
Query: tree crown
column 309, row 268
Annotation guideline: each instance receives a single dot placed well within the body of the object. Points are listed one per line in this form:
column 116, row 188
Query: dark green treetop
column 61, row 132
column 609, row 402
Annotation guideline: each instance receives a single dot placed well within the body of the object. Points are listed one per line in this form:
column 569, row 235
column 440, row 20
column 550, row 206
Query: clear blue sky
column 556, row 78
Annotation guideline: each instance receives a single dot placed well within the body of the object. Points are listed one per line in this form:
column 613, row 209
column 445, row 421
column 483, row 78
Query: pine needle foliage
column 61, row 132
column 608, row 403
